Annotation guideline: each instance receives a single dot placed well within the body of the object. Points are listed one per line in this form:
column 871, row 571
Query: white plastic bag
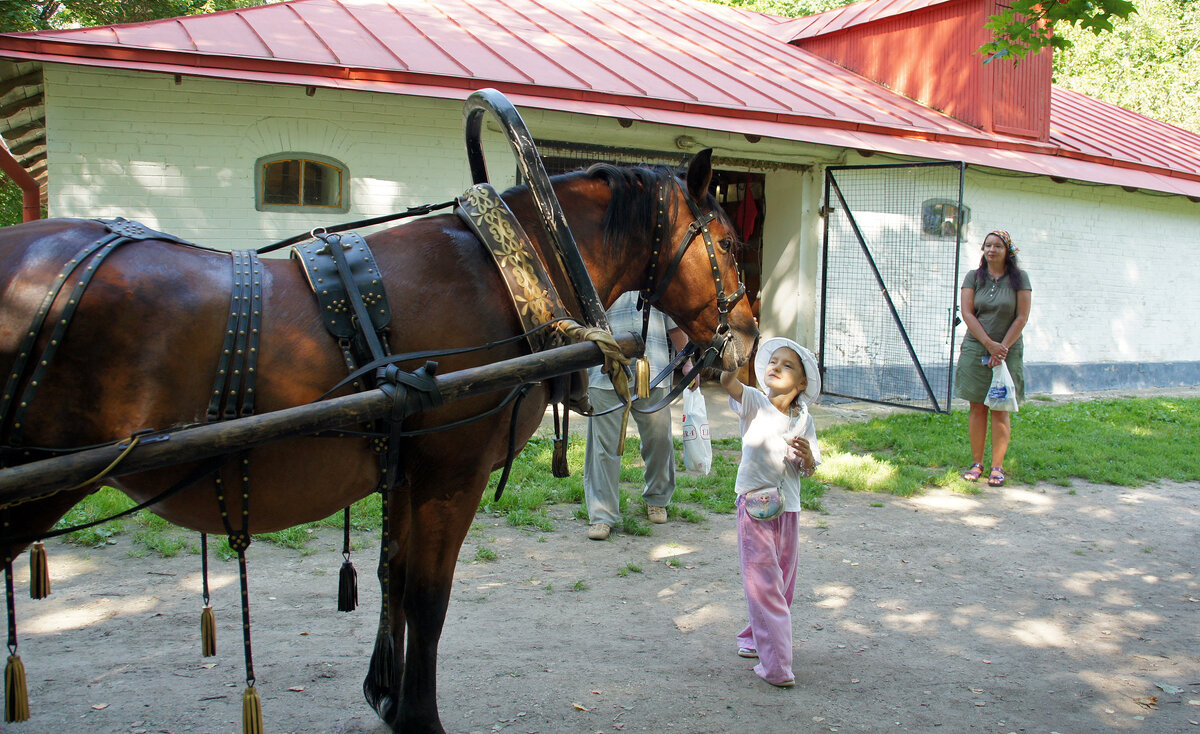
column 697, row 446
column 1002, row 394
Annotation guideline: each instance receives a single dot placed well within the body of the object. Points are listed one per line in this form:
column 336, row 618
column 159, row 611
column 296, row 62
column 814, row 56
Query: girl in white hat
column 779, row 445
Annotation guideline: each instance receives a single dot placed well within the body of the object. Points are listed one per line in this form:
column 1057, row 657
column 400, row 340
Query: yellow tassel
column 39, row 572
column 208, row 632
column 643, row 378
column 16, row 696
column 251, row 712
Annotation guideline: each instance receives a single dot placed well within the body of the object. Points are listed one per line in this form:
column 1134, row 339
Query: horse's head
column 688, row 266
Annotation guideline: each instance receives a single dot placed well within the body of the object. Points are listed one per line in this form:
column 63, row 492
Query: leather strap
column 120, row 232
column 237, row 366
column 332, row 289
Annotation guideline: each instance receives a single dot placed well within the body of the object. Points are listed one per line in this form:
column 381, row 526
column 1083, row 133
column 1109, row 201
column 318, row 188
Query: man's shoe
column 656, row 514
column 747, row 652
column 599, row 531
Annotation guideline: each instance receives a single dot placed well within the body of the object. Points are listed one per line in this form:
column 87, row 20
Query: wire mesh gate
column 889, row 282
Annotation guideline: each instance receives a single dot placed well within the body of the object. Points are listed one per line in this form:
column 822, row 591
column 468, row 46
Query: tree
column 1148, row 63
column 39, row 15
column 1028, row 26
column 11, row 209
column 785, row 8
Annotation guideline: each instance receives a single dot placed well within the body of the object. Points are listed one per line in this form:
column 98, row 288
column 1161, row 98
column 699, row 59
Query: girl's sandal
column 997, row 477
column 974, row 473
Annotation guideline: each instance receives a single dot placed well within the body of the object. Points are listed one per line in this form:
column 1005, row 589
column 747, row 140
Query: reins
column 430, row 353
column 412, row 211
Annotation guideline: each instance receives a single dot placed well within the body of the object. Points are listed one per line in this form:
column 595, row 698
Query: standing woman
column 995, row 307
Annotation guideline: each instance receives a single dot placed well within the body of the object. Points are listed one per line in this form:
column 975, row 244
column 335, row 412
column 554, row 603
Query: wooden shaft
column 40, row 478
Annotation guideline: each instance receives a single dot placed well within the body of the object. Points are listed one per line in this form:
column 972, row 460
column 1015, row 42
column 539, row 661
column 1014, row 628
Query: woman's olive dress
column 996, row 308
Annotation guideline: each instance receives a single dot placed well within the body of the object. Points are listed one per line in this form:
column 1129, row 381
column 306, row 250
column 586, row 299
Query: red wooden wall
column 931, row 55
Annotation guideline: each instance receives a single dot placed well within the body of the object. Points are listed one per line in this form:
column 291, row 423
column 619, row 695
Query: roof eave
column 802, row 128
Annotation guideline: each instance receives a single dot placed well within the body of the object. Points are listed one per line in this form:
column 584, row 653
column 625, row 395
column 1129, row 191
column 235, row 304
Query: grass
column 152, row 534
column 1125, row 442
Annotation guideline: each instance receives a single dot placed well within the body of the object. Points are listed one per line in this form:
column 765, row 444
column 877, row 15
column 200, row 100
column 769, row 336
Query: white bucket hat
column 763, row 356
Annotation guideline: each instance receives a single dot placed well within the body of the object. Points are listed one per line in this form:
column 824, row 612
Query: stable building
column 863, row 154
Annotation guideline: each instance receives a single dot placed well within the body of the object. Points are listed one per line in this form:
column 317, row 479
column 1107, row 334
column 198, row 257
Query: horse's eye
column 727, row 244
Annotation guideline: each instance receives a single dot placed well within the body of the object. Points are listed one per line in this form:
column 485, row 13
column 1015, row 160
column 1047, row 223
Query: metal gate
column 889, row 282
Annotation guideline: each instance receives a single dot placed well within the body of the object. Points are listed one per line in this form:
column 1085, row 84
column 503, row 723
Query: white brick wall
column 1112, row 271
column 1110, row 268
column 400, row 151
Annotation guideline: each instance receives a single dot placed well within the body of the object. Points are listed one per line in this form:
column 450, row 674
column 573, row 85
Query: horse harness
column 655, row 288
column 13, row 408
column 345, row 279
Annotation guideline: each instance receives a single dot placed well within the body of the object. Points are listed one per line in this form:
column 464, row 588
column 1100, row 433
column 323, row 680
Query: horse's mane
column 633, row 208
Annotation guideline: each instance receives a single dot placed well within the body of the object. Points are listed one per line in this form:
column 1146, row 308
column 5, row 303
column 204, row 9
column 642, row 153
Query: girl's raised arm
column 732, row 385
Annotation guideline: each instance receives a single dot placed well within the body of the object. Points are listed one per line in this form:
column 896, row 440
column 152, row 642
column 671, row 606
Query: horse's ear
column 699, row 174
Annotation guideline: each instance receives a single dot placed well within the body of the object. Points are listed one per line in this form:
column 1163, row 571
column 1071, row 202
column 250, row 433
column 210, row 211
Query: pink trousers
column 769, row 552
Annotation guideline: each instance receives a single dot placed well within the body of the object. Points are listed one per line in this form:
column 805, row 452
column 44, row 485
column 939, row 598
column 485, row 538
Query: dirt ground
column 1026, row 609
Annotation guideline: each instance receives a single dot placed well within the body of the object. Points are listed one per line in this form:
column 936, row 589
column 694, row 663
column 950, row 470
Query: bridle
column 655, row 287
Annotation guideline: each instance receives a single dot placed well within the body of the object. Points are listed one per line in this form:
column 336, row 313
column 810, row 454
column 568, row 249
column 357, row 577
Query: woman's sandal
column 974, row 473
column 997, row 477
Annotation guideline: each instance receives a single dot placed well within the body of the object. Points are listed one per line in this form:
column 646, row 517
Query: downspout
column 31, row 193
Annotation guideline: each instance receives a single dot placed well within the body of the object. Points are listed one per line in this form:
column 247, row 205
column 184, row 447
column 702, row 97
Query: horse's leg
column 382, row 685
column 438, row 528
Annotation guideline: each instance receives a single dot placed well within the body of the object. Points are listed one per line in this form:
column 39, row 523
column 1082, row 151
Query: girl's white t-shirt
column 764, row 448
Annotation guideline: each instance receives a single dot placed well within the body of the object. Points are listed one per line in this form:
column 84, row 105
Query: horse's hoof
column 383, row 703
column 409, row 725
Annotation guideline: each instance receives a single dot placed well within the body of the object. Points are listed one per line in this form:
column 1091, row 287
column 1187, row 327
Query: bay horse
column 143, row 346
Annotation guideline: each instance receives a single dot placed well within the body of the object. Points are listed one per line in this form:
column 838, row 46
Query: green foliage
column 632, row 525
column 104, row 503
column 11, row 203
column 785, row 8
column 35, row 15
column 531, row 485
column 1149, row 63
column 296, row 538
column 152, row 533
column 166, row 543
column 1028, row 26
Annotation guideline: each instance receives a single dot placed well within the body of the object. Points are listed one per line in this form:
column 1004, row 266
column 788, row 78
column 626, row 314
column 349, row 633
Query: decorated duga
column 236, row 395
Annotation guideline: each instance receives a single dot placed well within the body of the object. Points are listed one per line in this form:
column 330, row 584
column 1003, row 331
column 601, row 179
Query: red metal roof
column 679, row 62
column 847, row 16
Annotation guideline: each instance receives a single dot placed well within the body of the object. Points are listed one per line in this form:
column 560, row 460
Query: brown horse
column 143, row 347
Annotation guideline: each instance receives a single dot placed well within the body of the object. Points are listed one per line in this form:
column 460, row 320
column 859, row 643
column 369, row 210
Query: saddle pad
column 533, row 294
column 322, row 273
